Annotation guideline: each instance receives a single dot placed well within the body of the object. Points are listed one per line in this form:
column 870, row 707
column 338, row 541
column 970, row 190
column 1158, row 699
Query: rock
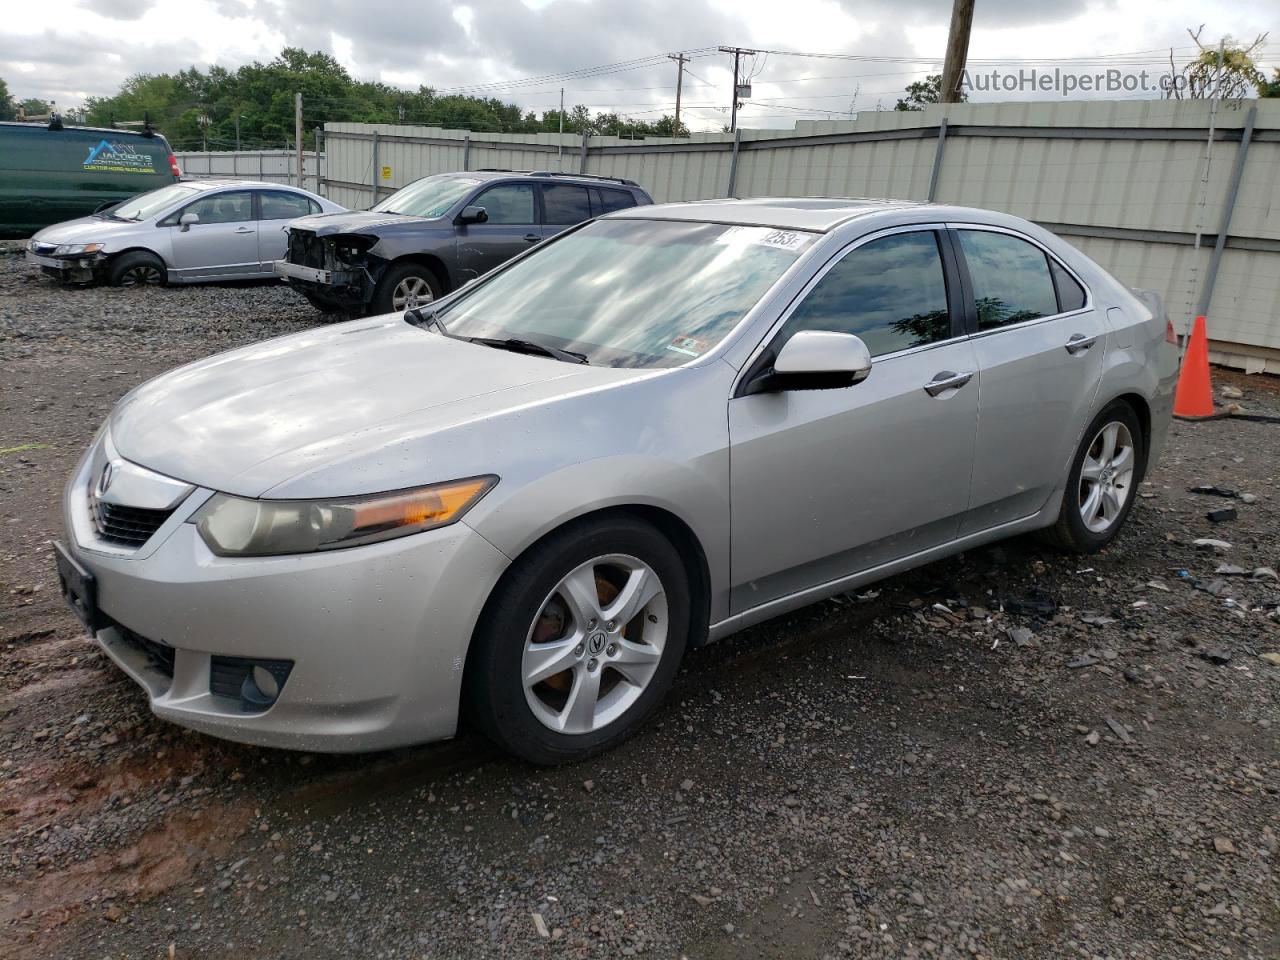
column 1273, row 658
column 1210, row 545
column 541, row 926
column 728, row 928
column 701, row 901
column 1022, row 637
column 588, row 785
column 1231, row 393
column 1217, row 655
column 1222, row 515
column 1093, row 738
column 686, row 786
column 1248, row 498
column 1230, row 570
column 1265, row 573
column 1212, row 491
column 1119, row 730
column 1084, row 660
column 1223, row 845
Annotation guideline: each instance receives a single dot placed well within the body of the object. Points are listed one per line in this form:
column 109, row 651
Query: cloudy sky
column 71, row 49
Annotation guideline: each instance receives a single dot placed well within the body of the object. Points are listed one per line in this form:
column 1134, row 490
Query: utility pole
column 738, row 53
column 560, row 143
column 297, row 133
column 680, row 60
column 237, row 131
column 957, row 50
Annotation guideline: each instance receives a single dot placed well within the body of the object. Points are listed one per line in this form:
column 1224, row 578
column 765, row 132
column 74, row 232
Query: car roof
column 72, row 128
column 817, row 214
column 491, row 173
column 211, row 183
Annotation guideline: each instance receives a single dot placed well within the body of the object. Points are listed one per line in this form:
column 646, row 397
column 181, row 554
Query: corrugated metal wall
column 275, row 166
column 1131, row 183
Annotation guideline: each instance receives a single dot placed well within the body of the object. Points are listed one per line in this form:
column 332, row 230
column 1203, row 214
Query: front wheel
column 404, row 287
column 1102, row 483
column 580, row 641
column 136, row 269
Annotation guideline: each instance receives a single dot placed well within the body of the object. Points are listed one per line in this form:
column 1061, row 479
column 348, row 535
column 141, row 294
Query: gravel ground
column 1011, row 753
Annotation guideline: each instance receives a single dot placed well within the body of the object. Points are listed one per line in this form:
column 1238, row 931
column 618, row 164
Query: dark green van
column 50, row 173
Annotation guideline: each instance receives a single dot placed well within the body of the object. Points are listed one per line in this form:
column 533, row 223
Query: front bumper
column 377, row 635
column 293, row 271
column 75, row 269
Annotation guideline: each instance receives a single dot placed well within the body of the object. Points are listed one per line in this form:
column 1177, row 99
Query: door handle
column 946, row 380
column 244, row 230
column 1079, row 343
column 532, row 237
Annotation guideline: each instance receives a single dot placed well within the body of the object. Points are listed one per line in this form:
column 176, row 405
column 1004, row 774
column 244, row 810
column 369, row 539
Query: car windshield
column 428, row 197
column 630, row 292
column 148, row 204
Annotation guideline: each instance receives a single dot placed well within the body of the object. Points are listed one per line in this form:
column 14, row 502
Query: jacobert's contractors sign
column 118, row 158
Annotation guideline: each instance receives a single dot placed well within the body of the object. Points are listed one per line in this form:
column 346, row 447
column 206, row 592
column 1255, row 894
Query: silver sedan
column 189, row 232
column 523, row 503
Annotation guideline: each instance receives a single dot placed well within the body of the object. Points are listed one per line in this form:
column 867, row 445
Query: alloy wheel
column 411, row 292
column 144, row 274
column 1106, row 476
column 595, row 644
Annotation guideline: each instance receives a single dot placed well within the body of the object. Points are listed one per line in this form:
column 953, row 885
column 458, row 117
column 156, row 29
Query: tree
column 7, row 112
column 1225, row 72
column 34, row 108
column 1270, row 88
column 923, row 92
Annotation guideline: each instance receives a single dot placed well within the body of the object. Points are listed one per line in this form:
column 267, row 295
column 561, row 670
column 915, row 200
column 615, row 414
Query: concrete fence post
column 582, row 161
column 466, row 152
column 937, row 160
column 375, row 168
column 733, row 164
column 1228, row 207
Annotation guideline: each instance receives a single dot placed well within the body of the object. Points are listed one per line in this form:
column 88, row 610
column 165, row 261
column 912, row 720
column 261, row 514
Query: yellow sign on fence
column 386, row 173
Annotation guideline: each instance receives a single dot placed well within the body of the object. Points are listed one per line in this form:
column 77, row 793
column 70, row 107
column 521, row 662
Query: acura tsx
column 522, row 503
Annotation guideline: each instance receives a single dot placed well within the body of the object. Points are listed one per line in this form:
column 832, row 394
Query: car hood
column 358, row 394
column 358, row 221
column 86, row 230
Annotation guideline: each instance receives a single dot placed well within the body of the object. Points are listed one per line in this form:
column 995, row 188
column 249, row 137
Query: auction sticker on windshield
column 689, row 346
column 766, row 237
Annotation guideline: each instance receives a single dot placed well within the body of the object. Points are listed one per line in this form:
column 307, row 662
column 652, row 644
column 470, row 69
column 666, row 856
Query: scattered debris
column 1265, row 573
column 541, row 926
column 1230, row 570
column 1212, row 491
column 1036, row 604
column 1119, row 730
column 1229, row 392
column 1223, row 845
column 1084, row 660
column 1216, row 655
column 1097, row 619
column 1212, row 587
column 1023, row 637
column 1212, row 545
column 1273, row 658
column 1222, row 516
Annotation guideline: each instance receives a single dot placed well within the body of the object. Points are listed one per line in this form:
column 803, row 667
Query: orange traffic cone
column 1194, row 397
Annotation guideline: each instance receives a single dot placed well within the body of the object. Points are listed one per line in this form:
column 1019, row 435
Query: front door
column 512, row 228
column 827, row 483
column 223, row 244
column 1040, row 347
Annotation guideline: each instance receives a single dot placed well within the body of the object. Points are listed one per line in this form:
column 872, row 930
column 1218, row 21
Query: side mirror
column 187, row 219
column 473, row 214
column 816, row 360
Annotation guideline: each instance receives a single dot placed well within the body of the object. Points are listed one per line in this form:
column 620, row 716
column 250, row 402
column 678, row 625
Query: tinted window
column 605, row 200
column 233, row 207
column 1070, row 294
column 508, row 203
column 891, row 292
column 278, row 205
column 1011, row 281
column 428, row 197
column 565, row 204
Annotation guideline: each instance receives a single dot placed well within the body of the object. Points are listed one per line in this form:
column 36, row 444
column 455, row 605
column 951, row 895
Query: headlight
column 75, row 249
column 237, row 527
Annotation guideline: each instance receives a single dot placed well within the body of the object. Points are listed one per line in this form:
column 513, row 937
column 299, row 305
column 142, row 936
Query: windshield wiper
column 426, row 317
column 516, row 345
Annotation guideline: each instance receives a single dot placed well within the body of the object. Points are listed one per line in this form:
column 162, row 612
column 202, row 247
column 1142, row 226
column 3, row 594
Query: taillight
column 1169, row 335
column 174, row 168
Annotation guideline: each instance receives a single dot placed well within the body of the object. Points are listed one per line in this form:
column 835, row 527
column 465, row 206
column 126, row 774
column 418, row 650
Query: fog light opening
column 259, row 690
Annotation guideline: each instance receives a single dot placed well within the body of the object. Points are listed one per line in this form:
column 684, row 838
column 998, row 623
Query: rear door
column 511, row 229
column 223, row 244
column 563, row 205
column 275, row 209
column 1040, row 345
column 827, row 483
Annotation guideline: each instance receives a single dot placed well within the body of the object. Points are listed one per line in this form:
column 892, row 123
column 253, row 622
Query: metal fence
column 274, row 166
column 1178, row 196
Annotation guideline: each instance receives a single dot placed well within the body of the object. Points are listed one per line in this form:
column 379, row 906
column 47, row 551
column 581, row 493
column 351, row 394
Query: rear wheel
column 580, row 641
column 404, row 287
column 136, row 269
column 1102, row 483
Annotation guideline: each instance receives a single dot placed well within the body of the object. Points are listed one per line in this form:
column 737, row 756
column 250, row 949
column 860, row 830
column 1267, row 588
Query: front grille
column 159, row 655
column 126, row 526
column 306, row 249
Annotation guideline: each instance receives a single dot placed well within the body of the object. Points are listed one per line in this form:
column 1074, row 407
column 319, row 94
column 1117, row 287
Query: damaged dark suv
column 438, row 233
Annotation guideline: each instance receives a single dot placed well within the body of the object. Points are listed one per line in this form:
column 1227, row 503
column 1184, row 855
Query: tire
column 1085, row 525
column 321, row 304
column 135, row 269
column 400, row 279
column 532, row 621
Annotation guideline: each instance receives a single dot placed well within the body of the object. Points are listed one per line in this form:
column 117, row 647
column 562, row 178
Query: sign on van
column 118, row 158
